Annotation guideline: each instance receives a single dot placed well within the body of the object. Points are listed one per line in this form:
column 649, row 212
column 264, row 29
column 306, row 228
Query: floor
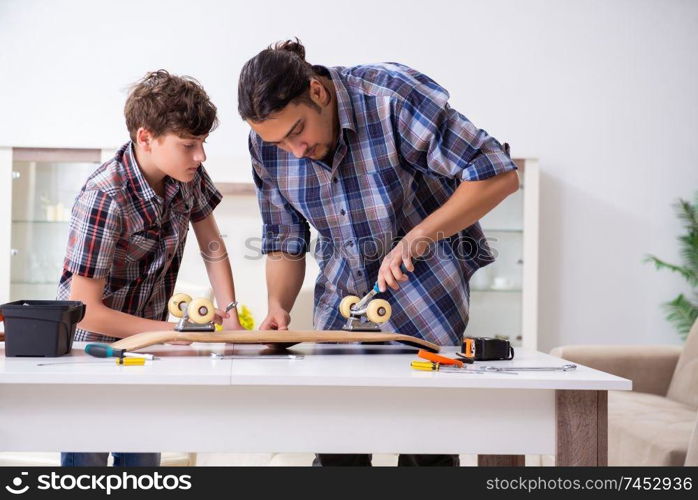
column 246, row 459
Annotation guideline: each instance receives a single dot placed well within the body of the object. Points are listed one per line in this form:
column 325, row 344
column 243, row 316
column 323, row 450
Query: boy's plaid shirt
column 121, row 230
column 402, row 152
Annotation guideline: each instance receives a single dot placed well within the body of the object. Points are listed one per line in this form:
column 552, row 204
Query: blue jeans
column 404, row 460
column 100, row 459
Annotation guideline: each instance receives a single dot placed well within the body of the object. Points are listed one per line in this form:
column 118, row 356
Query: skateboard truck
column 365, row 315
column 195, row 315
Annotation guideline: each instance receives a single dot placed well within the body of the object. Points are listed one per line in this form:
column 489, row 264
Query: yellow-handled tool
column 426, row 366
column 431, row 366
column 130, row 361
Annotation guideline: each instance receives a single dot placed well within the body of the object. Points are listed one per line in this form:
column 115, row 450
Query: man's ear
column 144, row 138
column 319, row 93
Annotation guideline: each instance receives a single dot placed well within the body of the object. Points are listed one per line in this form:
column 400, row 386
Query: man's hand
column 277, row 319
column 391, row 273
column 468, row 204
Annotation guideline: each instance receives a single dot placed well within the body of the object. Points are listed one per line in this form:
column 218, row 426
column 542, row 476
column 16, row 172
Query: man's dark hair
column 163, row 103
column 274, row 78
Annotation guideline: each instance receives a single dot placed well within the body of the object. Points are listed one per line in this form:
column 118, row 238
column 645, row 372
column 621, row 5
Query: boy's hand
column 227, row 321
column 232, row 324
column 220, row 316
column 277, row 319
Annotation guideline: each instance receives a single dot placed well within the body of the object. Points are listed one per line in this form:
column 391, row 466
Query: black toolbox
column 40, row 327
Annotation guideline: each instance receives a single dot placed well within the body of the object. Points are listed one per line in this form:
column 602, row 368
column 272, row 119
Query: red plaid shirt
column 121, row 230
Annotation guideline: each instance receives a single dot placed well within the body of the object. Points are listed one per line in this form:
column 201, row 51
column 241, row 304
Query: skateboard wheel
column 379, row 311
column 174, row 305
column 201, row 311
column 346, row 304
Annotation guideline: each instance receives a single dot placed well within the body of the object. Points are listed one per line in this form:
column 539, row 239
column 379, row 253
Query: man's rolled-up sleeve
column 284, row 229
column 435, row 138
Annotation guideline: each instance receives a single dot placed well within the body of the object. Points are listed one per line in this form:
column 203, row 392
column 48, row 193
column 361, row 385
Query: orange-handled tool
column 439, row 359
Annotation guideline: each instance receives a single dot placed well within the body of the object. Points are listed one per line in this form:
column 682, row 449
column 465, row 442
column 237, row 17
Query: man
column 389, row 175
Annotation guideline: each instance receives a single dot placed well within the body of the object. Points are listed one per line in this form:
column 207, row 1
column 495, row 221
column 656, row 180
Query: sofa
column 655, row 423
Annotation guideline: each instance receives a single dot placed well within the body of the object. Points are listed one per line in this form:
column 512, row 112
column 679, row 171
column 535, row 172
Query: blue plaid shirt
column 402, row 152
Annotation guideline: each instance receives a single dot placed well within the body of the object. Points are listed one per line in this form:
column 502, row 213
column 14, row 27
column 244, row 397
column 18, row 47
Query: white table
column 337, row 399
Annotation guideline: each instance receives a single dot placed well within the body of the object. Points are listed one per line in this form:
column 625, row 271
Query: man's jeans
column 330, row 460
column 100, row 459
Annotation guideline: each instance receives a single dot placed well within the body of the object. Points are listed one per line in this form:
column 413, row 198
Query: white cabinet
column 504, row 295
column 38, row 194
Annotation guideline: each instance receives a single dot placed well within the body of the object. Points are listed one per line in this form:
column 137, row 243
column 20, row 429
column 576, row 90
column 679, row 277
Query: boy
column 130, row 221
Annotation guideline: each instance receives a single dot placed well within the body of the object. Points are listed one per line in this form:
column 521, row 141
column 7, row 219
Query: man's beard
column 327, row 158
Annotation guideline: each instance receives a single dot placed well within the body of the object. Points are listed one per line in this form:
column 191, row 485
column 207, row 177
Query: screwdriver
column 375, row 290
column 107, row 351
column 442, row 359
column 119, row 361
column 431, row 366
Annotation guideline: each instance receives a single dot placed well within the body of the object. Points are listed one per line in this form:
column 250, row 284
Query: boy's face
column 178, row 156
column 303, row 130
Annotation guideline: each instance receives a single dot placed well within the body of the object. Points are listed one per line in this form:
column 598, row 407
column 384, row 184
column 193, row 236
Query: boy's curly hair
column 164, row 103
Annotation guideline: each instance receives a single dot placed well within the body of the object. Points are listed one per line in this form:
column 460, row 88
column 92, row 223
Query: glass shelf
column 43, row 190
column 494, row 310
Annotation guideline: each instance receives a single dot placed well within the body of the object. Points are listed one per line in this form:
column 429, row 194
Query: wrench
column 563, row 368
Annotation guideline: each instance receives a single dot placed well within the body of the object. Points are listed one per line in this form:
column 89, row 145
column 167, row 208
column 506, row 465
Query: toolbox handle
column 78, row 313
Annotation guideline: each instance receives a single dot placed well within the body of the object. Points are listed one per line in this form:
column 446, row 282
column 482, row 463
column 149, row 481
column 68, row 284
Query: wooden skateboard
column 278, row 338
column 195, row 325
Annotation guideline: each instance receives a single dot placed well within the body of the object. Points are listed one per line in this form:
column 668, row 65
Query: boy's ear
column 144, row 138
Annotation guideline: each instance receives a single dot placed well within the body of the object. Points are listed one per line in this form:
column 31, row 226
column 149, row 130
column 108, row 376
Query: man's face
column 303, row 130
column 178, row 156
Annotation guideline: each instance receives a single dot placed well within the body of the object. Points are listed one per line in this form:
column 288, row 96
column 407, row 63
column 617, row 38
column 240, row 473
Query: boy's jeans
column 100, row 459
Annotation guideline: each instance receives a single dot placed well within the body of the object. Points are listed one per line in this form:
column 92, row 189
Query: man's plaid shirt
column 401, row 154
column 121, row 230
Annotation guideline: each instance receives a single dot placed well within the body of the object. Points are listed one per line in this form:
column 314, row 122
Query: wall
column 603, row 92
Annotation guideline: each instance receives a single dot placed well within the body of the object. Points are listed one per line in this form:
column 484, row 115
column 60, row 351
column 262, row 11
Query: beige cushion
column 646, row 429
column 684, row 384
column 628, row 361
column 692, row 455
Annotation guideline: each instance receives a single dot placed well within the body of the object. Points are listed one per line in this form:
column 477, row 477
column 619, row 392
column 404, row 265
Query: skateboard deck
column 280, row 338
